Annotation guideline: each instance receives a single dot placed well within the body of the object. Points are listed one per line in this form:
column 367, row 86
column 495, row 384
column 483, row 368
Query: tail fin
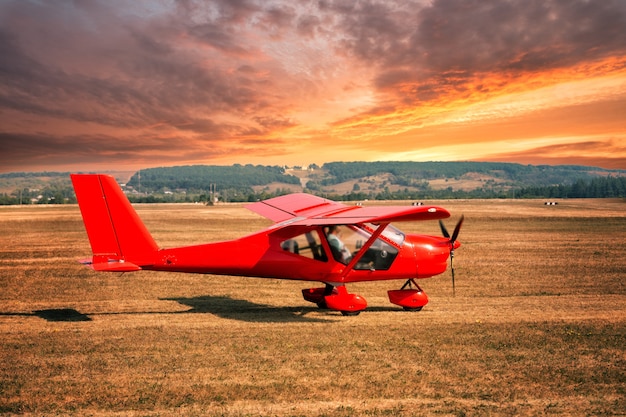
column 119, row 239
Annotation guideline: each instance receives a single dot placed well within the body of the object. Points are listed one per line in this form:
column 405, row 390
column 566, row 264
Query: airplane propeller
column 451, row 240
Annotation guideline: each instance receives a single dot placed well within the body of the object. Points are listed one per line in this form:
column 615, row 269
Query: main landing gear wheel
column 412, row 298
column 336, row 298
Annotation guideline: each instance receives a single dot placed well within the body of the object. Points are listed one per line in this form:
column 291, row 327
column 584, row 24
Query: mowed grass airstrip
column 537, row 326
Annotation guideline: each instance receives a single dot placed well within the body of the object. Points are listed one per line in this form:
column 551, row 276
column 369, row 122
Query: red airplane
column 312, row 239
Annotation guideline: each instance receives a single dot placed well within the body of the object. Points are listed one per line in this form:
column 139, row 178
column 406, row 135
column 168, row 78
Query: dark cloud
column 51, row 146
column 228, row 12
column 453, row 42
column 308, row 25
column 215, row 35
column 116, row 69
column 25, row 150
column 275, row 19
column 483, row 36
column 143, row 76
column 375, row 32
column 274, row 123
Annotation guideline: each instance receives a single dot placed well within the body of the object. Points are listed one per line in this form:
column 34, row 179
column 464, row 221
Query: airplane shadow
column 52, row 315
column 220, row 306
column 61, row 314
column 389, row 309
column 244, row 310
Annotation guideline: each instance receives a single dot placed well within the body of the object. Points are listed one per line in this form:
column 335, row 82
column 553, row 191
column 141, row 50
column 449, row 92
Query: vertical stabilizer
column 119, row 239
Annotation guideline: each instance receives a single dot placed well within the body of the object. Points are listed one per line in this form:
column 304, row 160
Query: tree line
column 200, row 177
column 235, row 183
column 601, row 187
column 412, row 173
column 50, row 194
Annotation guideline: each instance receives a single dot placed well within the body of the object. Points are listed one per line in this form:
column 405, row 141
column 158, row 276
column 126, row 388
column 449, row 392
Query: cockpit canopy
column 348, row 242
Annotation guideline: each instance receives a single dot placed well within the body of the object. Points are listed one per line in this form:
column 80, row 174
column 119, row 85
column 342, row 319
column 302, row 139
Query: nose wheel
column 410, row 297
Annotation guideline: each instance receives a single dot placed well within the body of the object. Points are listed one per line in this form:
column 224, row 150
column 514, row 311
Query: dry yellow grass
column 537, row 326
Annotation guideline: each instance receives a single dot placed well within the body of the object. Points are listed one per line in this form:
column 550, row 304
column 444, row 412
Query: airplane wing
column 308, row 210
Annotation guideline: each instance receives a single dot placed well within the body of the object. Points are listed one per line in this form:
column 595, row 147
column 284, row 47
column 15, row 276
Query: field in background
column 537, row 326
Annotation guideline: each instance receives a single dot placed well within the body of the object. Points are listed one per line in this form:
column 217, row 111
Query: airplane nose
column 431, row 254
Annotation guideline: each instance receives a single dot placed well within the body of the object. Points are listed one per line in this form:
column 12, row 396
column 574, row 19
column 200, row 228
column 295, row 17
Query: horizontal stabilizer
column 116, row 267
column 111, row 266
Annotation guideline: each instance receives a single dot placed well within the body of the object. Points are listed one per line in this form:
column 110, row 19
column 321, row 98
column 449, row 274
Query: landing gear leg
column 411, row 283
column 318, row 295
column 328, row 290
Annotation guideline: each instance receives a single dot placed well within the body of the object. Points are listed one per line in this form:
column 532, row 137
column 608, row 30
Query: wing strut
column 381, row 228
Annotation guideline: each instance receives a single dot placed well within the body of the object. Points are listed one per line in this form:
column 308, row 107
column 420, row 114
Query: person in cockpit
column 338, row 248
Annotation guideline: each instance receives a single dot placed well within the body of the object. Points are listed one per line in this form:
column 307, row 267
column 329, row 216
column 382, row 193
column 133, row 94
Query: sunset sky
column 121, row 85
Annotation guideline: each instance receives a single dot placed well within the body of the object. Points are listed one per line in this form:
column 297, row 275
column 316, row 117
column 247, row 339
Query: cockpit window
column 307, row 245
column 346, row 242
column 380, row 255
column 390, row 233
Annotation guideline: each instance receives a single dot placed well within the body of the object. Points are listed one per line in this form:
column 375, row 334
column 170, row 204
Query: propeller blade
column 457, row 229
column 452, row 270
column 451, row 241
column 444, row 231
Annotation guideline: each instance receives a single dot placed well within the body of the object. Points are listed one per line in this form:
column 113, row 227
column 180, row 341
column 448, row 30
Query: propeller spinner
column 451, row 241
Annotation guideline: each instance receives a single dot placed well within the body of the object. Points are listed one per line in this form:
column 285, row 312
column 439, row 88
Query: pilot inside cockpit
column 338, row 248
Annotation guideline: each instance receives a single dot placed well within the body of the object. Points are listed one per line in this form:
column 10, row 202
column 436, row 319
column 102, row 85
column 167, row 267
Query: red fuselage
column 261, row 255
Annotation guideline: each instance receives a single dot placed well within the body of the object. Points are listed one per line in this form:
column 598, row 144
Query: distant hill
column 337, row 180
column 448, row 179
column 200, row 177
column 42, row 187
column 408, row 173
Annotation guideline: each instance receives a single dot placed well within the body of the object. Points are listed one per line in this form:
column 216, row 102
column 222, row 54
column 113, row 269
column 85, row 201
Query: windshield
column 346, row 242
column 390, row 233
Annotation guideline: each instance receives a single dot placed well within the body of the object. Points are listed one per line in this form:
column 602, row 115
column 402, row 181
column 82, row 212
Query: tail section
column 119, row 239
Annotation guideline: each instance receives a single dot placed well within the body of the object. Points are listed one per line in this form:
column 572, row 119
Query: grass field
column 537, row 326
